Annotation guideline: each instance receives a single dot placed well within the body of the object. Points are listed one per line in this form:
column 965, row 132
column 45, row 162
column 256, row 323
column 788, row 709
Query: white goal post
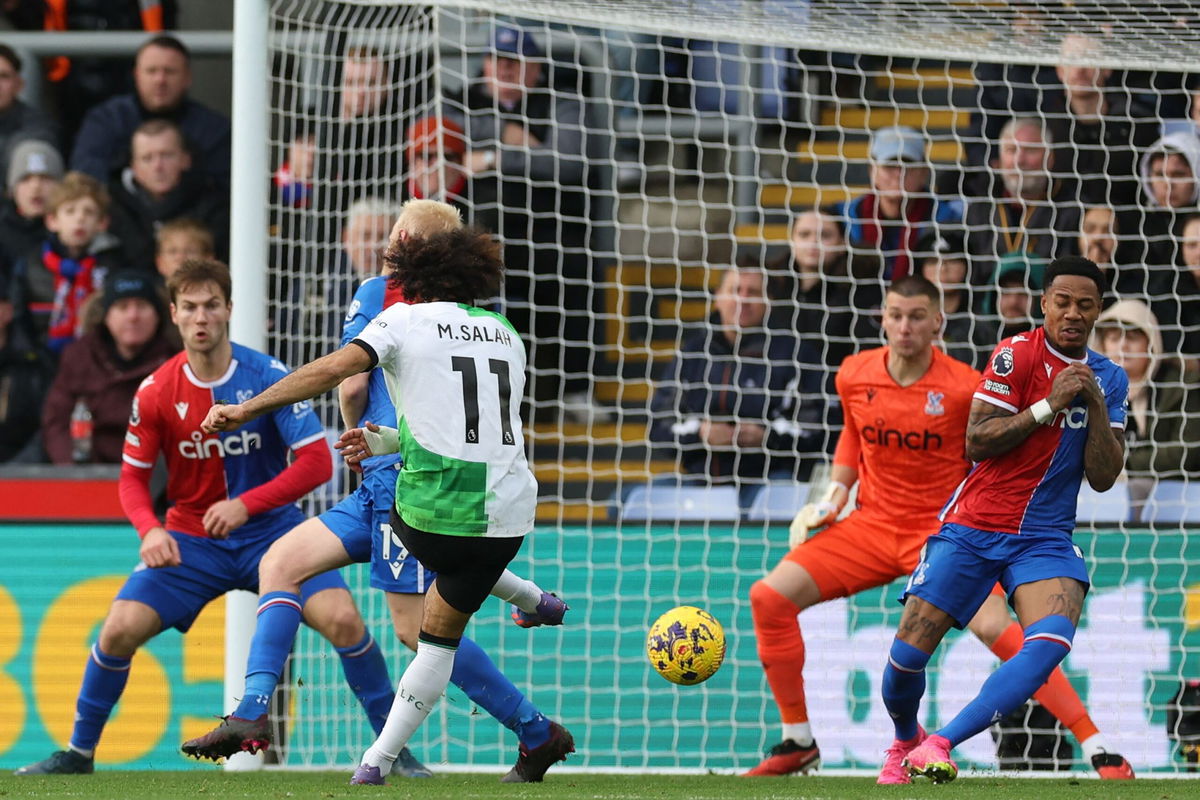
column 692, row 135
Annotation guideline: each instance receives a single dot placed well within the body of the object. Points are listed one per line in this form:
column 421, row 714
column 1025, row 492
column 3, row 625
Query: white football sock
column 1092, row 745
column 422, row 683
column 523, row 594
column 798, row 732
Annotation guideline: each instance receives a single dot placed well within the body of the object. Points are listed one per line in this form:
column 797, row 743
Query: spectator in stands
column 1099, row 242
column 34, row 169
column 942, row 260
column 51, row 282
column 180, row 240
column 900, row 208
column 18, row 119
column 105, row 367
column 1097, row 131
column 1012, row 307
column 26, row 371
column 156, row 188
column 434, row 149
column 162, row 76
column 365, row 239
column 526, row 158
column 1175, row 297
column 1007, row 90
column 1170, row 190
column 737, row 401
column 823, row 292
column 1025, row 210
column 1163, row 423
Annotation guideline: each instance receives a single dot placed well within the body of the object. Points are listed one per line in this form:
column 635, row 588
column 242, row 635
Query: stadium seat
column 1098, row 508
column 778, row 502
column 1173, row 501
column 674, row 503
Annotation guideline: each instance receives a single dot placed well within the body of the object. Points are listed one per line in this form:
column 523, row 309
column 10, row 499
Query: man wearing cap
column 525, row 156
column 897, row 212
column 18, row 119
column 105, row 366
column 1018, row 206
column 434, row 150
column 34, row 169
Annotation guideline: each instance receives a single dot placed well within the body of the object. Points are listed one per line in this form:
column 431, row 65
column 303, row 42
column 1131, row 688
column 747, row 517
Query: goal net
column 629, row 154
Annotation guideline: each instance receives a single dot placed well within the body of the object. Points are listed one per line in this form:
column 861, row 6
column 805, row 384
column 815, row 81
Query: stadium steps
column 846, row 150
column 791, row 195
column 879, row 116
column 947, row 76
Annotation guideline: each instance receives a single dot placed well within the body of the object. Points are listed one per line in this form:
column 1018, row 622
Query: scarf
column 916, row 214
column 73, row 283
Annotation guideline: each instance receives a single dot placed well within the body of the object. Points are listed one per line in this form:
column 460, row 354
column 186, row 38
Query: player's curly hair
column 459, row 266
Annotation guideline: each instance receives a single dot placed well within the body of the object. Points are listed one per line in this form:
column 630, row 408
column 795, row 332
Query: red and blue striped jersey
column 202, row 468
column 1034, row 487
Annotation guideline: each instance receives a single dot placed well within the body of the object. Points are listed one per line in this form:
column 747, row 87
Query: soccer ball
column 686, row 645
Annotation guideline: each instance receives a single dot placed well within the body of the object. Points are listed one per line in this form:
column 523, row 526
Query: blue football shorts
column 960, row 565
column 210, row 568
column 361, row 521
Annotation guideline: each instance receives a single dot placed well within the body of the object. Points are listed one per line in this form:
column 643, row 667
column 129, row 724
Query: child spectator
column 34, row 169
column 1013, row 308
column 180, row 240
column 51, row 282
column 106, row 366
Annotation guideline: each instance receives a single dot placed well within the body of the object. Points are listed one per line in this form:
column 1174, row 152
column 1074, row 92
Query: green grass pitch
column 111, row 785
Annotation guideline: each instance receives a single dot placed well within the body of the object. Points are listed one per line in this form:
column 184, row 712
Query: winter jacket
column 102, row 145
column 92, row 371
column 135, row 216
column 18, row 235
column 1162, row 426
column 767, row 378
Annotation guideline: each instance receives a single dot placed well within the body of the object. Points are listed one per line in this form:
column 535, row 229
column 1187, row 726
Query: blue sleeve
column 1117, row 398
column 367, row 302
column 297, row 424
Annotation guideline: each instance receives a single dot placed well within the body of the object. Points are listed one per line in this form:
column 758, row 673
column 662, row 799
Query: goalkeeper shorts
column 861, row 552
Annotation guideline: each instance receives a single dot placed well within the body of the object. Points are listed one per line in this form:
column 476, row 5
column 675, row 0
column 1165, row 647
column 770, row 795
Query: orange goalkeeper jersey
column 907, row 443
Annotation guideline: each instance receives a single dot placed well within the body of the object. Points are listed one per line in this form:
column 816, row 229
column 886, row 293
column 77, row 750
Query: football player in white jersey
column 465, row 497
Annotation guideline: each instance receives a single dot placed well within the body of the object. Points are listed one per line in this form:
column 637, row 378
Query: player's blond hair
column 428, row 217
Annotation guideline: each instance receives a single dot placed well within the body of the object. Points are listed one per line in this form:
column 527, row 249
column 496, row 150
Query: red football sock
column 781, row 649
column 1056, row 694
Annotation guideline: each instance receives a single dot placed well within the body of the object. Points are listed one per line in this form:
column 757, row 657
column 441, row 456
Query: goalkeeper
column 906, row 407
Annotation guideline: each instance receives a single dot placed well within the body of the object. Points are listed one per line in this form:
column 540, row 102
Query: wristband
column 489, row 158
column 1042, row 413
column 387, row 440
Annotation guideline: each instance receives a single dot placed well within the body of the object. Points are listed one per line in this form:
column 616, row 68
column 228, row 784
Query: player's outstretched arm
column 314, row 378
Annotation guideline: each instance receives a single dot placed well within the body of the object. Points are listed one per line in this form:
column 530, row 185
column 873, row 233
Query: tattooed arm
column 993, row 431
column 1104, row 452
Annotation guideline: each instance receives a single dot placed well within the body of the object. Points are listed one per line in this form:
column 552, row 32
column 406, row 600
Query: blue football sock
column 1047, row 643
column 903, row 686
column 104, row 679
column 274, row 633
column 367, row 674
column 477, row 675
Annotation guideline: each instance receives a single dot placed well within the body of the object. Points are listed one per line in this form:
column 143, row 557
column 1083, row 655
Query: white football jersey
column 456, row 374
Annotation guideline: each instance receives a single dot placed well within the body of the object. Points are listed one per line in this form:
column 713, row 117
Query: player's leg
column 149, row 601
column 531, row 607
column 1003, row 636
column 836, row 563
column 949, row 584
column 127, row 627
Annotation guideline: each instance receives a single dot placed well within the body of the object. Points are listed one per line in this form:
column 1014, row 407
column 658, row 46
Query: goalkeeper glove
column 818, row 514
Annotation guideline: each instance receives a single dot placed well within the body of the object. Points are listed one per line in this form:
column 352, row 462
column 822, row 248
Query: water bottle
column 81, row 433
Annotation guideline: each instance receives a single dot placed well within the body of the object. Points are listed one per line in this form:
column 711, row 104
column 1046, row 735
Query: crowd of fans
column 1066, row 160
